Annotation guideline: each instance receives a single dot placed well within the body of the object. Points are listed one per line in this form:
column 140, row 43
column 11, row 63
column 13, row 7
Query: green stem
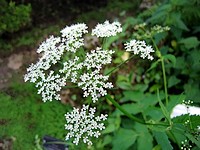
column 165, row 81
column 104, row 41
column 163, row 69
column 124, row 111
column 131, row 116
column 119, row 65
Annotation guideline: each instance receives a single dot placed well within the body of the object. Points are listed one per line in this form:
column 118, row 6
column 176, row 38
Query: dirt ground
column 14, row 66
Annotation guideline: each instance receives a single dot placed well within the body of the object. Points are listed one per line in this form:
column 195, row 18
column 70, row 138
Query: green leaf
column 194, row 140
column 192, row 91
column 160, row 14
column 113, row 125
column 124, row 85
column 143, row 135
column 124, row 139
column 148, row 100
column 171, row 58
column 162, row 140
column 155, row 87
column 174, row 100
column 107, row 140
column 196, row 29
column 180, row 63
column 112, row 39
column 164, row 109
column 140, row 87
column 132, row 96
column 154, row 112
column 176, row 21
column 194, row 120
column 190, row 42
column 131, row 108
column 173, row 80
column 153, row 65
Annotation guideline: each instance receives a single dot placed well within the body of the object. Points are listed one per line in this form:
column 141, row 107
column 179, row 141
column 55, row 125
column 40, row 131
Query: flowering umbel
column 84, row 70
column 107, row 29
column 49, row 82
column 83, row 124
column 139, row 47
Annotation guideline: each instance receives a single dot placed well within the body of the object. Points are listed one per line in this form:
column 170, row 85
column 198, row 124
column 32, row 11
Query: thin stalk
column 165, row 81
column 104, row 41
column 163, row 108
column 163, row 70
column 131, row 116
column 119, row 65
column 124, row 111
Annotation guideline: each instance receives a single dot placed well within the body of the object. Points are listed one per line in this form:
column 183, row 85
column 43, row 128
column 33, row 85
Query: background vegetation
column 23, row 116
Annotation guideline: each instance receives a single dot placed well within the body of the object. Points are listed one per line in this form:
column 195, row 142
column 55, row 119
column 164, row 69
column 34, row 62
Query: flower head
column 51, row 53
column 107, row 29
column 70, row 69
column 97, row 58
column 94, row 84
column 72, row 36
column 52, row 49
column 82, row 124
column 139, row 47
column 50, row 85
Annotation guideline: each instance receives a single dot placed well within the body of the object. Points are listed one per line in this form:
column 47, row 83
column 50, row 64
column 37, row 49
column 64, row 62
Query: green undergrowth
column 24, row 115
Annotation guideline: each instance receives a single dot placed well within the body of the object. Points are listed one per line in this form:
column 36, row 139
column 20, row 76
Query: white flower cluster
column 139, row 47
column 70, row 69
column 72, row 36
column 94, row 84
column 84, row 71
column 51, row 53
column 83, row 124
column 97, row 58
column 50, row 86
column 52, row 50
column 107, row 29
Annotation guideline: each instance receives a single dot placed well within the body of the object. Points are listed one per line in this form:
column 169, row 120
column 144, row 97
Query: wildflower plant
column 65, row 61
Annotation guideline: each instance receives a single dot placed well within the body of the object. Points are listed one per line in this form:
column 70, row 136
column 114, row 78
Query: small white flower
column 82, row 124
column 139, row 47
column 107, row 29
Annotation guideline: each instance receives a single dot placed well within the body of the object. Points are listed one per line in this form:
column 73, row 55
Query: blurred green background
column 25, row 119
